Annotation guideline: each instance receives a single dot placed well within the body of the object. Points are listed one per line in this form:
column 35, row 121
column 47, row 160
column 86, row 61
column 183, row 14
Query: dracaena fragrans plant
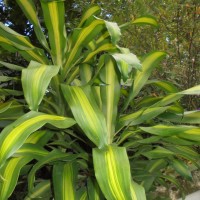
column 81, row 116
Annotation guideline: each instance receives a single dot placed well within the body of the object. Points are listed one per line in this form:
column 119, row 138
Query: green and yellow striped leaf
column 86, row 113
column 110, row 94
column 41, row 191
column 79, row 39
column 114, row 177
column 35, row 80
column 54, row 17
column 144, row 20
column 166, row 86
column 137, row 192
column 185, row 132
column 9, row 174
column 14, row 135
column 22, row 43
column 140, row 116
column 149, row 63
column 89, row 13
column 175, row 96
column 52, row 157
column 190, row 117
column 29, row 10
column 64, row 180
column 158, row 152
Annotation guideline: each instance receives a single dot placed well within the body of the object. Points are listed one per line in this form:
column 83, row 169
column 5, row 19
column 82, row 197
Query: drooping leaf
column 41, row 76
column 53, row 156
column 22, row 43
column 87, row 114
column 126, row 62
column 11, row 66
column 114, row 178
column 29, row 10
column 144, row 20
column 14, row 135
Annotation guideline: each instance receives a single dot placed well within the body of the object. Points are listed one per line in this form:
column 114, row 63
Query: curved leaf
column 14, row 135
column 29, row 10
column 86, row 113
column 41, row 76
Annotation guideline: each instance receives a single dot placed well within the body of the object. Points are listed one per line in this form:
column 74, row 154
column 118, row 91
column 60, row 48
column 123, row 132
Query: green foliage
column 79, row 113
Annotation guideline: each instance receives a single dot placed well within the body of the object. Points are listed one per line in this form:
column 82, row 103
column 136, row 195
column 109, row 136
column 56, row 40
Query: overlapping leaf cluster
column 80, row 115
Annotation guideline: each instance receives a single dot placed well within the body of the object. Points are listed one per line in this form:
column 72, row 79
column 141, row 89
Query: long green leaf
column 41, row 191
column 144, row 20
column 11, row 66
column 110, row 94
column 41, row 76
column 186, row 132
column 22, row 43
column 175, row 96
column 148, row 64
column 53, row 156
column 140, row 116
column 191, row 117
column 54, row 13
column 9, row 174
column 86, row 113
column 181, row 168
column 14, row 135
column 114, row 177
column 64, row 179
column 29, row 10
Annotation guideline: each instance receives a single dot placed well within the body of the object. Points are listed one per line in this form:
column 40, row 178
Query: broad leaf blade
column 54, row 13
column 41, row 191
column 9, row 174
column 14, row 135
column 29, row 10
column 64, row 179
column 41, row 76
column 22, row 43
column 110, row 94
column 181, row 168
column 114, row 178
column 52, row 157
column 87, row 114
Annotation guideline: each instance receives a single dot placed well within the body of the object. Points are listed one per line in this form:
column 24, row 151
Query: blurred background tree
column 178, row 34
